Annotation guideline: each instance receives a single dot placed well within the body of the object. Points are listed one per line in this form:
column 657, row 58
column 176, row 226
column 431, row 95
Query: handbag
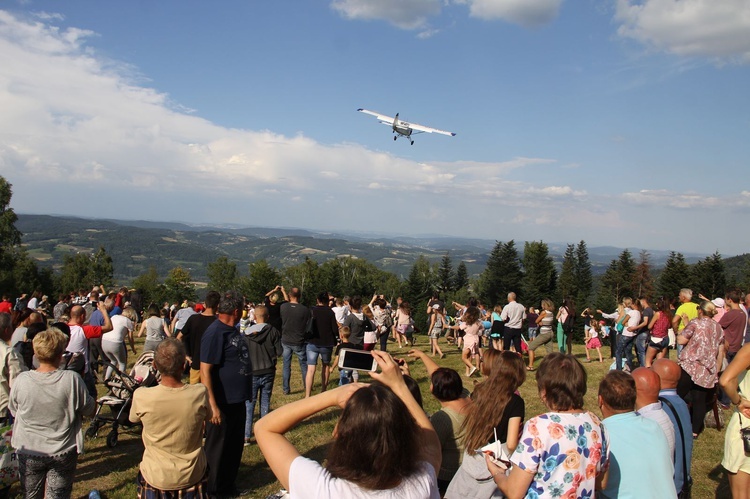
column 8, row 459
column 745, row 435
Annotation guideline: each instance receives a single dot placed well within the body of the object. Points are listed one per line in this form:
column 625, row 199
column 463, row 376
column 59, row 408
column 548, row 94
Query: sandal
column 530, row 368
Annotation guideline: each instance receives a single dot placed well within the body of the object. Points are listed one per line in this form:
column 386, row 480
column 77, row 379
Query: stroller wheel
column 91, row 431
column 112, row 439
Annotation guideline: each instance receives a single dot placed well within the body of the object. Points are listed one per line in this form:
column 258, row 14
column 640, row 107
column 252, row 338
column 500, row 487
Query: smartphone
column 497, row 453
column 356, row 359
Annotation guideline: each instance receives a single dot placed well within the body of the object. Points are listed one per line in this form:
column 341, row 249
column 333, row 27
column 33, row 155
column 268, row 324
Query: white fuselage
column 402, row 129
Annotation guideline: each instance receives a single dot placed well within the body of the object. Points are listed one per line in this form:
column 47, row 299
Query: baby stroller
column 119, row 398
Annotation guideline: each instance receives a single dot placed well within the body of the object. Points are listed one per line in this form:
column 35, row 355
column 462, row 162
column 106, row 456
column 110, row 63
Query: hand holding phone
column 356, row 359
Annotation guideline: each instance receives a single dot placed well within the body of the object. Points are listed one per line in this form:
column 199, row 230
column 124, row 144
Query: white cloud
column 527, row 13
column 77, row 123
column 49, row 16
column 679, row 200
column 704, row 28
column 406, row 14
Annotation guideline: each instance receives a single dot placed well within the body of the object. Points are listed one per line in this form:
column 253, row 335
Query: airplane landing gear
column 395, row 137
column 412, row 142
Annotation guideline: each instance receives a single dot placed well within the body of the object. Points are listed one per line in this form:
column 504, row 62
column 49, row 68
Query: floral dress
column 565, row 452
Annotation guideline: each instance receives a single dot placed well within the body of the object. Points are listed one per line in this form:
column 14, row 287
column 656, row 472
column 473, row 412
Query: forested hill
column 137, row 245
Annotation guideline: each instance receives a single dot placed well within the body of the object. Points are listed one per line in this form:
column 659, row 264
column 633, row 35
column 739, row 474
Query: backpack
column 569, row 323
column 388, row 321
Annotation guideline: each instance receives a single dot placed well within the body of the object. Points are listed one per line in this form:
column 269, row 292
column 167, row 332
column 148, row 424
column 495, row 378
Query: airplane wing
column 421, row 128
column 388, row 120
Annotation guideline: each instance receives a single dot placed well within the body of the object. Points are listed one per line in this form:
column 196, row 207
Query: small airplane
column 402, row 128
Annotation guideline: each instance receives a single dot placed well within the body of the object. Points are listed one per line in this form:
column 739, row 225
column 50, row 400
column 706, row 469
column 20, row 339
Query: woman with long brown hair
column 497, row 413
column 383, row 442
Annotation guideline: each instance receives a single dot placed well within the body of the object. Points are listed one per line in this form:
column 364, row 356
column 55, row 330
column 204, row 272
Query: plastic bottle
column 94, row 494
column 355, row 375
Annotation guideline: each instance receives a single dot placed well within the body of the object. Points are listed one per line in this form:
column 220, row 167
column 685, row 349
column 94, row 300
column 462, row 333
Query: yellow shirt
column 688, row 308
column 172, row 434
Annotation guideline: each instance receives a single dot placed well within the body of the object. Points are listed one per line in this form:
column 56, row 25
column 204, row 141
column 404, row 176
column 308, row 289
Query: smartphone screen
column 356, row 359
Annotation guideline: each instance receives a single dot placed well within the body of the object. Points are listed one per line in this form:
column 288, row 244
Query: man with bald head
column 669, row 374
column 648, row 405
column 80, row 334
column 512, row 316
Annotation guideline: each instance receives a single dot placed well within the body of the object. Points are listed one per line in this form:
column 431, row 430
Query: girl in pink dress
column 592, row 340
column 472, row 328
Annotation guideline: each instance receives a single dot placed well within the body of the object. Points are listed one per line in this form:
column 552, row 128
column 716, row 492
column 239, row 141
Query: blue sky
column 621, row 122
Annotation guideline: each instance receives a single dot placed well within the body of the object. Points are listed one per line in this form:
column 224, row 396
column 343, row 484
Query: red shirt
column 5, row 307
column 734, row 322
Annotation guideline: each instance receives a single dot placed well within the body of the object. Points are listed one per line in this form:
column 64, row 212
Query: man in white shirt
column 648, row 405
column 512, row 315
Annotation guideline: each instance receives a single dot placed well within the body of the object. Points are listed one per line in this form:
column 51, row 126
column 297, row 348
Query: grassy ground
column 113, row 470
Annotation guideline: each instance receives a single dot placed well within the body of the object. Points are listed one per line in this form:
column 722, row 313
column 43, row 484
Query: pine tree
column 709, row 276
column 675, row 276
column 617, row 282
column 462, row 277
column 446, row 277
column 643, row 282
column 540, row 275
column 501, row 275
column 584, row 278
column 626, row 274
column 567, row 284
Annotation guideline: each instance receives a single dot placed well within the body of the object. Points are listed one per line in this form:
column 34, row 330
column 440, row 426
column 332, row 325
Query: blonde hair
column 627, row 301
column 49, row 345
column 129, row 313
column 708, row 308
column 345, row 332
column 548, row 305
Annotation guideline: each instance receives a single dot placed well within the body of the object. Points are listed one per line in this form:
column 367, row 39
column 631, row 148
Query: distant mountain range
column 137, row 245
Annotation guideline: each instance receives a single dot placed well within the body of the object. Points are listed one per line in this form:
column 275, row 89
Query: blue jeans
column 624, row 349
column 345, row 376
column 641, row 343
column 301, row 353
column 262, row 388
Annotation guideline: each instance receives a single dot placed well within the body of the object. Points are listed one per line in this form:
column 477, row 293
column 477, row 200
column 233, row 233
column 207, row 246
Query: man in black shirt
column 192, row 332
column 295, row 318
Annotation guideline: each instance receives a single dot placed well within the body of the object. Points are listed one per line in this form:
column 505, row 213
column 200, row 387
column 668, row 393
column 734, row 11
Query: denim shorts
column 659, row 344
column 313, row 351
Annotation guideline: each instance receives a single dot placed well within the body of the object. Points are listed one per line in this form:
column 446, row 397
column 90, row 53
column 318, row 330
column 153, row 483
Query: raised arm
column 391, row 376
column 270, row 429
column 107, row 327
column 429, row 364
column 728, row 380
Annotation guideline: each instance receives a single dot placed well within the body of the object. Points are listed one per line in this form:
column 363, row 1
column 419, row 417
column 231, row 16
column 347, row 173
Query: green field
column 113, row 470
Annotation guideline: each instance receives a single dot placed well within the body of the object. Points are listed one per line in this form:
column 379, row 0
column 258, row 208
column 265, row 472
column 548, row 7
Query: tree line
column 532, row 274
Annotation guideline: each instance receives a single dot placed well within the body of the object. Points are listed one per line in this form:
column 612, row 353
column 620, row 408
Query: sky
column 617, row 122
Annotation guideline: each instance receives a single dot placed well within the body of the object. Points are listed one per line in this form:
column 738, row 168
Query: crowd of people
column 218, row 361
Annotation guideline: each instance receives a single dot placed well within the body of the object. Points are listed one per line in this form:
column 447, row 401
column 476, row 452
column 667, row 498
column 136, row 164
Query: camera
column 745, row 433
